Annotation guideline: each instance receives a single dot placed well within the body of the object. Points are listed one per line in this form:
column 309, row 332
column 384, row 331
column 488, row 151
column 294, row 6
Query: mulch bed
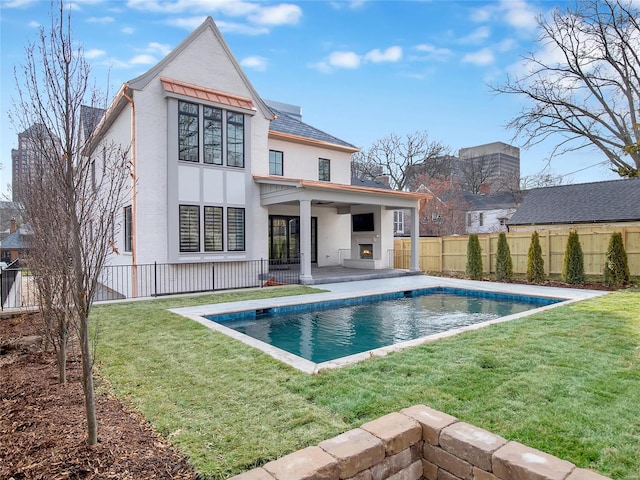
column 43, row 428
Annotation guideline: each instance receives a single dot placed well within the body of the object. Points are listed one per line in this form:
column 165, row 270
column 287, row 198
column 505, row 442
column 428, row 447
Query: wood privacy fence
column 449, row 254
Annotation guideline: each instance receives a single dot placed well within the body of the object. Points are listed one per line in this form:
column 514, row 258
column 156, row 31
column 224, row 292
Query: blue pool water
column 325, row 331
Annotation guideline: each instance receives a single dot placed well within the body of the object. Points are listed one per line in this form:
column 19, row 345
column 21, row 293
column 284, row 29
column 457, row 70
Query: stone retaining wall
column 419, row 443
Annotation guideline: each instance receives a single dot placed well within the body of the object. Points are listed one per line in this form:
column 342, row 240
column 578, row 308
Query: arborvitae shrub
column 616, row 267
column 474, row 257
column 573, row 265
column 535, row 262
column 504, row 264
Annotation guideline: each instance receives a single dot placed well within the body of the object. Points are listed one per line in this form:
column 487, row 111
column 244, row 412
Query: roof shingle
column 610, row 201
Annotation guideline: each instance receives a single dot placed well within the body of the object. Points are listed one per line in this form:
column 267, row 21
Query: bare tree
column 70, row 199
column 541, row 179
column 399, row 157
column 583, row 85
column 444, row 214
column 475, row 173
column 364, row 169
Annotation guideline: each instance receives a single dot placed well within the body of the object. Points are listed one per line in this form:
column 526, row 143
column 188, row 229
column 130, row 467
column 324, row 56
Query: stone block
column 311, row 463
column 398, row 432
column 363, row 475
column 584, row 474
column 444, row 475
column 515, row 461
column 473, row 444
column 391, row 465
column 355, row 450
column 432, row 421
column 479, row 474
column 447, row 461
column 429, row 470
column 412, row 472
column 255, row 474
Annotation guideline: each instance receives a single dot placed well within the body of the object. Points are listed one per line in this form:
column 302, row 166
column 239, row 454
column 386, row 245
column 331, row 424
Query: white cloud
column 255, row 62
column 431, row 52
column 391, row 54
column 94, row 53
column 127, row 30
column 348, row 4
column 161, row 48
column 257, row 15
column 481, row 15
column 480, row 58
column 283, row 14
column 143, row 59
column 349, row 60
column 100, row 19
column 479, row 35
column 33, row 24
column 519, row 14
column 18, row 3
column 240, row 28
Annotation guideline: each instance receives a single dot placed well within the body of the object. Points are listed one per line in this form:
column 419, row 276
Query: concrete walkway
column 350, row 289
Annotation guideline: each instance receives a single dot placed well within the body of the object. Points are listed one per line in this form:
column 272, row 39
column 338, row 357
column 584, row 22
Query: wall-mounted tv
column 363, row 222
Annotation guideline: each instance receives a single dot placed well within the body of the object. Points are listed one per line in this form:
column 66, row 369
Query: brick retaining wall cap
column 355, row 450
column 432, row 421
column 311, row 463
column 398, row 432
column 473, row 444
column 515, row 461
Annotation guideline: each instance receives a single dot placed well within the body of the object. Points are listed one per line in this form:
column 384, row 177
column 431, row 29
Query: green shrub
column 535, row 262
column 573, row 265
column 616, row 267
column 474, row 257
column 504, row 264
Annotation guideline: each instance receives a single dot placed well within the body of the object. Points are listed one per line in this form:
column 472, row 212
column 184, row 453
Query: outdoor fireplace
column 366, row 251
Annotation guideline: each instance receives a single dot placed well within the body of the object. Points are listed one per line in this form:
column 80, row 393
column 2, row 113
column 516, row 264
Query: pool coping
column 345, row 290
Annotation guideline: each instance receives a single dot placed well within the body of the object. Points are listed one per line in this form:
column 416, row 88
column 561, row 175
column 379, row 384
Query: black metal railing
column 119, row 282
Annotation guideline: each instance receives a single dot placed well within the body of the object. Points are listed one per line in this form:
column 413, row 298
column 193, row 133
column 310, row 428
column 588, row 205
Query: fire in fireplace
column 366, row 251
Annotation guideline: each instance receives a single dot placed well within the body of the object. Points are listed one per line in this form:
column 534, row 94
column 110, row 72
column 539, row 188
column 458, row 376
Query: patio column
column 305, row 241
column 415, row 239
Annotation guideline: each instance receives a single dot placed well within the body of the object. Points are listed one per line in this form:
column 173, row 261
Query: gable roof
column 288, row 126
column 143, row 80
column 610, row 201
column 17, row 240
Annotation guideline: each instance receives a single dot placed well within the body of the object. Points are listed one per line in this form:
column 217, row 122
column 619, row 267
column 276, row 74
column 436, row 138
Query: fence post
column 213, row 276
column 547, row 263
column 262, row 282
column 155, row 279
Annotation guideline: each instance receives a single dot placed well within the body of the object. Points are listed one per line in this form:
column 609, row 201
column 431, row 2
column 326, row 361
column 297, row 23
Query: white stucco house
column 221, row 175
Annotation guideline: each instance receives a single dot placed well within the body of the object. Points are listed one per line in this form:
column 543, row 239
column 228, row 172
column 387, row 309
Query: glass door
column 284, row 239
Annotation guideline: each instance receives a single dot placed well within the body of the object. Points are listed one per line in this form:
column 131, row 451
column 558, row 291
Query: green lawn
column 566, row 381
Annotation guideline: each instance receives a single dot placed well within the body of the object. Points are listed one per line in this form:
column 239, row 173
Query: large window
column 235, row 139
column 189, row 228
column 212, row 135
column 209, row 135
column 275, row 163
column 128, row 232
column 235, row 229
column 324, row 169
column 213, row 228
column 188, row 131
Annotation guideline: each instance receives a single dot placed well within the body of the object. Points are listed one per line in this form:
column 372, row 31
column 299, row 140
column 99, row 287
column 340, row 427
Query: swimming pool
column 325, row 331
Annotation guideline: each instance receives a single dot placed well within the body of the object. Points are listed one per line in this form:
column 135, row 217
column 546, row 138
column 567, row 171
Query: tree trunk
column 87, row 384
column 62, row 361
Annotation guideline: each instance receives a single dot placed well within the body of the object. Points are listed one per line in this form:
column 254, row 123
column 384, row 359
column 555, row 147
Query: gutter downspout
column 134, row 267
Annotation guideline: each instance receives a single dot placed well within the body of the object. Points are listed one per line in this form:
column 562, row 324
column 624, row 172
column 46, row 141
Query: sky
column 360, row 69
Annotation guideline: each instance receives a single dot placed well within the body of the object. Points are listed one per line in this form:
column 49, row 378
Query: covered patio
column 367, row 243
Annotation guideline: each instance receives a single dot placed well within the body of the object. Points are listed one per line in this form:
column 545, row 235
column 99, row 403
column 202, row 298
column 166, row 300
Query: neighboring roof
column 494, row 201
column 361, row 182
column 17, row 240
column 89, row 119
column 610, row 201
column 290, row 126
